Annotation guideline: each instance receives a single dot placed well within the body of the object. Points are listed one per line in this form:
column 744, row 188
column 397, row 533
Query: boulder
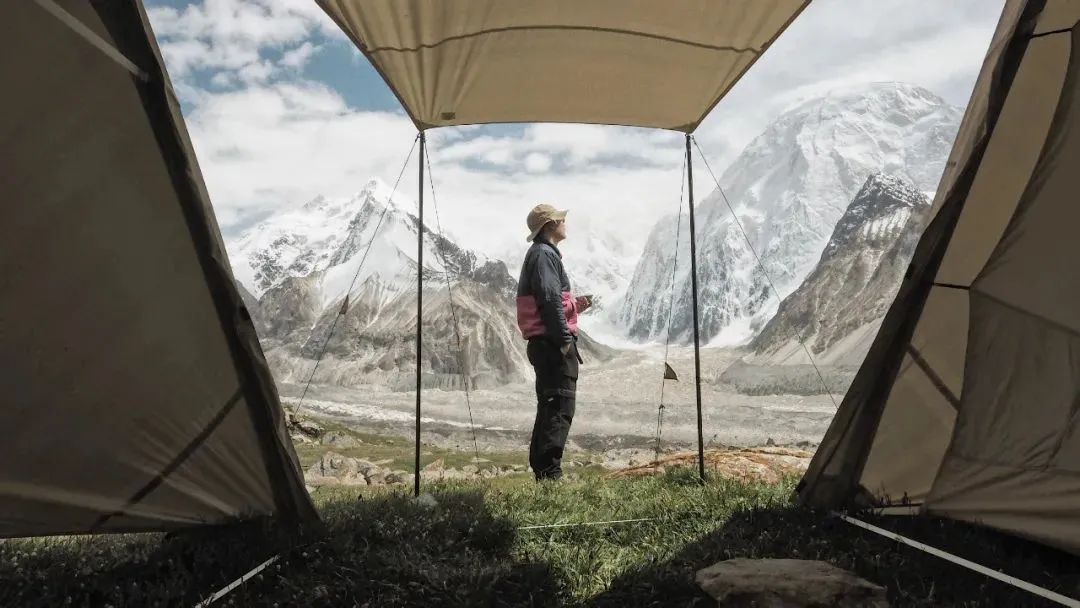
column 339, row 439
column 335, row 468
column 300, row 438
column 788, row 583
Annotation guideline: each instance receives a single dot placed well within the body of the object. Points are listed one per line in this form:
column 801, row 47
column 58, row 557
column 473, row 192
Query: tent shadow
column 911, row 577
column 387, row 550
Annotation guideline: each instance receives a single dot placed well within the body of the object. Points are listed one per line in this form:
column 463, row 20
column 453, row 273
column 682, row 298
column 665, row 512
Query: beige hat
column 540, row 216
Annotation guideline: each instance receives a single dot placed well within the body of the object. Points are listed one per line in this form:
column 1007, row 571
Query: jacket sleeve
column 547, row 289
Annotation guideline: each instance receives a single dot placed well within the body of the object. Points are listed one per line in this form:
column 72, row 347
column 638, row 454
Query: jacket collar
column 540, row 240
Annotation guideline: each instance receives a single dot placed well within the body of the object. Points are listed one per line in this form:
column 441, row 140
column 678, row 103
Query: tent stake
column 697, row 338
column 419, row 307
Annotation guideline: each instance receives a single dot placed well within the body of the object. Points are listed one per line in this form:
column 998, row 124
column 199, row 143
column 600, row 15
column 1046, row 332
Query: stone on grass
column 339, row 439
column 787, row 583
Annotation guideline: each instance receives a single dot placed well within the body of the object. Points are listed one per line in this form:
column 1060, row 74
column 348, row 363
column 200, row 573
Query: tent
column 617, row 62
column 135, row 392
column 968, row 403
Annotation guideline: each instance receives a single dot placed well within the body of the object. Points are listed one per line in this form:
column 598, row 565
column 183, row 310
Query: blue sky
column 282, row 108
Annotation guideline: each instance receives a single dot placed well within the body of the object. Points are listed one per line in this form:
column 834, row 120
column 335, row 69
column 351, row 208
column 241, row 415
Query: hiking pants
column 556, row 386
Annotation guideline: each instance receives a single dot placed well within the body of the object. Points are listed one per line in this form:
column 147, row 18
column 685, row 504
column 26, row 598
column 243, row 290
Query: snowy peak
column 339, row 242
column 302, row 239
column 838, row 307
column 878, row 213
column 789, row 187
column 351, row 264
column 896, row 102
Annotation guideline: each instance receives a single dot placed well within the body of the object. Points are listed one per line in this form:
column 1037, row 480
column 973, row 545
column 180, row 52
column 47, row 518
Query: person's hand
column 565, row 348
column 583, row 303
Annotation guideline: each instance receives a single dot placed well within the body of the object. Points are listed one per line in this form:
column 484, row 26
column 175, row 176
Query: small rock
column 310, row 428
column 427, row 500
column 366, row 468
column 787, row 583
column 470, row 469
column 769, row 443
column 518, row 468
column 376, row 478
column 399, row 478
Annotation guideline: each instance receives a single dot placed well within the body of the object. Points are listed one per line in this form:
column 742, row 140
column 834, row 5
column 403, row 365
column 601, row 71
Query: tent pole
column 419, row 308
column 693, row 281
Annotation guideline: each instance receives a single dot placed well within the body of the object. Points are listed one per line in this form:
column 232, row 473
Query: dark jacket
column 545, row 306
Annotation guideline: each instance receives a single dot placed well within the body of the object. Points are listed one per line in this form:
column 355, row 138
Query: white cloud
column 231, row 34
column 254, row 73
column 298, row 57
column 537, row 162
column 223, row 79
column 265, row 147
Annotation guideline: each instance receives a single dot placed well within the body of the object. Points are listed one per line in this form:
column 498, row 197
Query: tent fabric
column 968, row 404
column 626, row 62
column 137, row 394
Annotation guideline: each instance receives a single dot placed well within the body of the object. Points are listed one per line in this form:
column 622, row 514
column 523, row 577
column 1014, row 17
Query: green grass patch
column 380, row 547
column 398, row 452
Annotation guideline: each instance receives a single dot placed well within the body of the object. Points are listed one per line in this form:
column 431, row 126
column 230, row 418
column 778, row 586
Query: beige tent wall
column 136, row 395
column 981, row 419
column 1013, row 462
column 917, row 423
column 921, row 355
column 650, row 64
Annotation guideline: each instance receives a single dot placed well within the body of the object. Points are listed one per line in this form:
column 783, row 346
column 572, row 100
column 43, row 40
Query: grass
column 398, row 452
column 382, row 548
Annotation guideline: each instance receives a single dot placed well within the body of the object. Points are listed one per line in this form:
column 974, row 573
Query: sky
column 282, row 108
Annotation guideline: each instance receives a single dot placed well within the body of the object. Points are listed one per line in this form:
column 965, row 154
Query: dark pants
column 556, row 386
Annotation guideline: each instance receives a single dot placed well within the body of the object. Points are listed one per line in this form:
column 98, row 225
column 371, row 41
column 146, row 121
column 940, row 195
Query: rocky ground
column 332, row 465
column 617, row 408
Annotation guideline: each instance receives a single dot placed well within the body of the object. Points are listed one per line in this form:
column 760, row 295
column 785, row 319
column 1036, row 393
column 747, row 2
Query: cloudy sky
column 282, row 108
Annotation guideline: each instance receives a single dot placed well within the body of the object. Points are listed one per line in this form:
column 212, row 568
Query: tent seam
column 1026, row 468
column 935, row 379
column 586, row 28
column 177, row 461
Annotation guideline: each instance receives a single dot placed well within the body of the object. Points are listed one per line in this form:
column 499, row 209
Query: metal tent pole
column 693, row 281
column 419, row 307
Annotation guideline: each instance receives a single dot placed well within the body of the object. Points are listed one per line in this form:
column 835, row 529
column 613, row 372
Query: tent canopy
column 637, row 63
column 136, row 396
column 968, row 404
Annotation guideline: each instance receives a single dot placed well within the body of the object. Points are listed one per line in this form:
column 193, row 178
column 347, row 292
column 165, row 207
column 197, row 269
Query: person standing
column 547, row 315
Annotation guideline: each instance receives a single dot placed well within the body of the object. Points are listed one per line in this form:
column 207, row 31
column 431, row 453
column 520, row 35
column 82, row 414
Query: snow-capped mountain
column 838, row 308
column 329, row 240
column 788, row 188
column 299, row 266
